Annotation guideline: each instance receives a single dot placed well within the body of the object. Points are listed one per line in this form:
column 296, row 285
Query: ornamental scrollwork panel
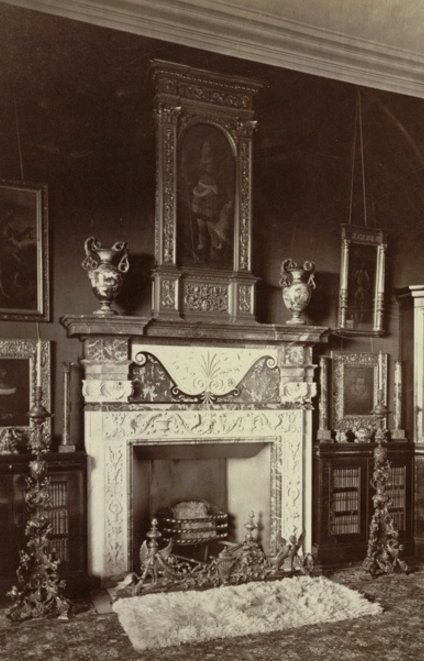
column 245, row 298
column 152, row 383
column 115, row 507
column 168, row 293
column 106, row 349
column 206, row 297
column 168, row 424
column 198, row 370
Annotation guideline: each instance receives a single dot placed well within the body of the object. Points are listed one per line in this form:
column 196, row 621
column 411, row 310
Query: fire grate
column 206, row 523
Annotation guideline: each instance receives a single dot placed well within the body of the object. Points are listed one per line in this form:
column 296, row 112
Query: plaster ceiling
column 393, row 23
column 375, row 43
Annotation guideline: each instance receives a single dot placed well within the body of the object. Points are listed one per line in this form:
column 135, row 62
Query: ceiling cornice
column 230, row 29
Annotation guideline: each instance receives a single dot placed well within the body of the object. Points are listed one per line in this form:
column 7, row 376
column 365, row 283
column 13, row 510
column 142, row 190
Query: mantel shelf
column 185, row 331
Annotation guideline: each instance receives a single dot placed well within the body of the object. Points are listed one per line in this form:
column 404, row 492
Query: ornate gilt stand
column 38, row 592
column 383, row 546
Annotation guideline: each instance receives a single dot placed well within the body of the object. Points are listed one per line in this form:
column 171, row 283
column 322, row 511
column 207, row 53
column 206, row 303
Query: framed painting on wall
column 24, row 262
column 359, row 383
column 362, row 279
column 21, row 369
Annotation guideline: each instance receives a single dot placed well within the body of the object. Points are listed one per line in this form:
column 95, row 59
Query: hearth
column 163, row 398
column 235, row 477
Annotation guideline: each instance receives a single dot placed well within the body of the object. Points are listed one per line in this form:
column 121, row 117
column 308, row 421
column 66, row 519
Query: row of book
column 346, row 524
column 397, row 499
column 398, row 520
column 59, row 548
column 58, row 518
column 345, row 501
column 344, row 478
column 58, row 493
column 397, row 476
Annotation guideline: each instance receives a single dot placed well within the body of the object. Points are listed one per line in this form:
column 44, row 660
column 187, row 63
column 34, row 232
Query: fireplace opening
column 232, row 477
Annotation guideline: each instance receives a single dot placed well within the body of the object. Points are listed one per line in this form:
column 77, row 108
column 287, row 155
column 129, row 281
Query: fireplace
column 234, row 478
column 172, row 414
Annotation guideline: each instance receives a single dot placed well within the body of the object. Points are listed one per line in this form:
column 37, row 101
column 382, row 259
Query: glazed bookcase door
column 66, row 511
column 343, row 498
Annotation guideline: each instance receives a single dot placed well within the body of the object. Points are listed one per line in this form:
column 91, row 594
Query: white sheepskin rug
column 172, row 618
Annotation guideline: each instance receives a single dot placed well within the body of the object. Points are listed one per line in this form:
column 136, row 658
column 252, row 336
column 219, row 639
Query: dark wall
column 76, row 113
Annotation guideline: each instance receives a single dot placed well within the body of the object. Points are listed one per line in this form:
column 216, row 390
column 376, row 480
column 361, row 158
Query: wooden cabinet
column 67, row 510
column 343, row 498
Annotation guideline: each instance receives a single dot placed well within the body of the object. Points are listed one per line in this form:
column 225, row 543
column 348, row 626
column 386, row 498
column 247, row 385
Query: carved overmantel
column 149, row 383
column 203, row 221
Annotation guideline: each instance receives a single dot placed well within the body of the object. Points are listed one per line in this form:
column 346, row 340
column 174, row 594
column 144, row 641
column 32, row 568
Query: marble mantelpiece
column 154, row 384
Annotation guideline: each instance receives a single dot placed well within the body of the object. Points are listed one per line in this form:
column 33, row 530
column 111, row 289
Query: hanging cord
column 361, row 141
column 352, row 176
column 18, row 136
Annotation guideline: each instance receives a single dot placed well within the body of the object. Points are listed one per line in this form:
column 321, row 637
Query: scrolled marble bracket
column 101, row 391
column 298, row 392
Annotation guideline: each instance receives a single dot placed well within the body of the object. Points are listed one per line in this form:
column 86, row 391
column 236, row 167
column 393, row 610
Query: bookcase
column 67, row 511
column 411, row 353
column 343, row 498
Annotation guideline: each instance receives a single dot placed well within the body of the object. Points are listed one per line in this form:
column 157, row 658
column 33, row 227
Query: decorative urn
column 297, row 283
column 363, row 434
column 106, row 268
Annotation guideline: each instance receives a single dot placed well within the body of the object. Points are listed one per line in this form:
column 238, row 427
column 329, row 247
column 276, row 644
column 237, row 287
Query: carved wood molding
column 253, row 35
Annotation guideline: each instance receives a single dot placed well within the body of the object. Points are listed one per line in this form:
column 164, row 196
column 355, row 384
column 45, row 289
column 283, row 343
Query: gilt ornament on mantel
column 106, row 268
column 298, row 283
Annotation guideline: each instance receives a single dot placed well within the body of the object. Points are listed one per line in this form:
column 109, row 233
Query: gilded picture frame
column 362, row 281
column 24, row 253
column 358, row 383
column 19, row 364
column 203, row 220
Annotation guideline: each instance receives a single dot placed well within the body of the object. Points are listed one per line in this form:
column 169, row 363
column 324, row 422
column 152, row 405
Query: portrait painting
column 206, row 198
column 23, row 251
column 358, row 380
column 359, row 390
column 20, row 362
column 361, row 286
column 15, row 388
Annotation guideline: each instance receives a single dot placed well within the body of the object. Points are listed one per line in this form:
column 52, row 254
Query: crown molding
column 230, row 29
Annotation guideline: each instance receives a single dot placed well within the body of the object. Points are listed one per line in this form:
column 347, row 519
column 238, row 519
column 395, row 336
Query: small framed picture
column 19, row 364
column 362, row 278
column 359, row 382
column 24, row 262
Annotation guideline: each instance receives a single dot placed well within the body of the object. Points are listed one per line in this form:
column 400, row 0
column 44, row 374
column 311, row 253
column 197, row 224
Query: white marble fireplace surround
column 207, row 365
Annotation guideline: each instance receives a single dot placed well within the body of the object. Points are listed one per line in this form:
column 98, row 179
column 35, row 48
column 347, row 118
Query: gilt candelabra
column 383, row 546
column 39, row 589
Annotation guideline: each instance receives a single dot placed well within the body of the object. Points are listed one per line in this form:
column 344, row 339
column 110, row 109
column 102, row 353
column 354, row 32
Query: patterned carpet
column 397, row 634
